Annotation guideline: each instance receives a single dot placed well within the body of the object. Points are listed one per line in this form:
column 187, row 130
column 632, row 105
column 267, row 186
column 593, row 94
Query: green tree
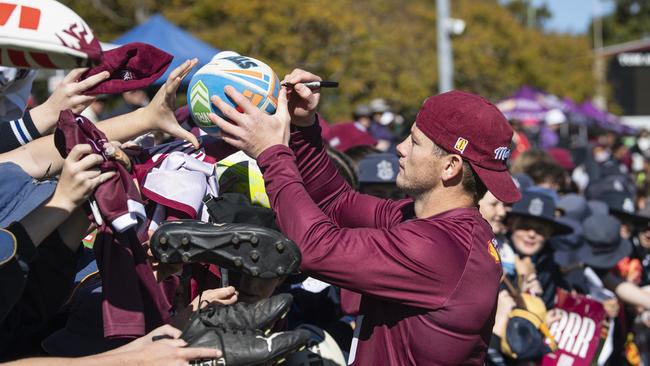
column 526, row 13
column 629, row 21
column 380, row 48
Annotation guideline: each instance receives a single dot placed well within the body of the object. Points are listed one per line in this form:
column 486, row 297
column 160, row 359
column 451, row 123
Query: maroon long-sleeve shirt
column 429, row 285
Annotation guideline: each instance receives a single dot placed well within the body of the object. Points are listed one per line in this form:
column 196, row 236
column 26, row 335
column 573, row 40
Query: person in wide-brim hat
column 538, row 208
column 603, row 245
column 531, row 223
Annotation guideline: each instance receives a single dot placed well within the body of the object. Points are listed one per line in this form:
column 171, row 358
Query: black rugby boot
column 261, row 316
column 246, row 347
column 253, row 250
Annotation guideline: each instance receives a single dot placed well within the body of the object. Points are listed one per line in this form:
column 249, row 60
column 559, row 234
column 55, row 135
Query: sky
column 574, row 15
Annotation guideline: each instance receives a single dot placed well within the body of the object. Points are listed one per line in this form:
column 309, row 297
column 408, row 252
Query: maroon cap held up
column 344, row 136
column 132, row 66
column 562, row 157
column 470, row 126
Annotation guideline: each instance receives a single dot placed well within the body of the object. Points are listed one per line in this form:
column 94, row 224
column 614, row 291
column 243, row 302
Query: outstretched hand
column 67, row 95
column 252, row 131
column 159, row 114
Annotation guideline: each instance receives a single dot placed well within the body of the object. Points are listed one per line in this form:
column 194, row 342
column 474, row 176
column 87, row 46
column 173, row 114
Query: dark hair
column 357, row 153
column 543, row 171
column 471, row 182
column 344, row 165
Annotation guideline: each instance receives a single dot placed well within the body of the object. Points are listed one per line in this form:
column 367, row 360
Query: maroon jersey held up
column 429, row 285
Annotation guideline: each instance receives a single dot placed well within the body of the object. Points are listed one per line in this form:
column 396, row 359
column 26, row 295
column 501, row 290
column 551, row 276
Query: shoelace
column 242, row 331
column 213, row 309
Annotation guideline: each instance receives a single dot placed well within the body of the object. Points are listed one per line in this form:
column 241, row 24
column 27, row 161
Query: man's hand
column 159, row 114
column 223, row 296
column 252, row 131
column 67, row 95
column 302, row 101
column 79, row 178
column 165, row 331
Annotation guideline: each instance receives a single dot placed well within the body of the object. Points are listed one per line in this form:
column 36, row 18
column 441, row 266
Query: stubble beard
column 413, row 189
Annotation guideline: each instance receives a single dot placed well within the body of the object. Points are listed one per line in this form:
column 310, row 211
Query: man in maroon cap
column 426, row 267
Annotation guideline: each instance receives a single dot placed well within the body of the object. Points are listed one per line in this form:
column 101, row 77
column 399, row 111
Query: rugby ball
column 251, row 77
column 45, row 34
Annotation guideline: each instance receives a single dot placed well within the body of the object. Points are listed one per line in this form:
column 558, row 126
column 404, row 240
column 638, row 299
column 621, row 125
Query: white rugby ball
column 253, row 78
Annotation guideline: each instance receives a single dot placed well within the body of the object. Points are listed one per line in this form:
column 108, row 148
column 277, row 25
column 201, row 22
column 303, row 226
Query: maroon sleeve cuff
column 309, row 134
column 274, row 153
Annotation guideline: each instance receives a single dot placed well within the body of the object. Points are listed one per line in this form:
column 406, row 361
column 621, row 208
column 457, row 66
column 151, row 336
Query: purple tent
column 523, row 105
column 606, row 120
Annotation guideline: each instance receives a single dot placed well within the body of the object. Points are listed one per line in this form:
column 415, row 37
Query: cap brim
column 627, row 216
column 559, row 228
column 604, row 260
column 499, row 183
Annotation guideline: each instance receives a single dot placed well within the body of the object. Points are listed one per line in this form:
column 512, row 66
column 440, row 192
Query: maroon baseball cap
column 132, row 66
column 470, row 126
column 344, row 136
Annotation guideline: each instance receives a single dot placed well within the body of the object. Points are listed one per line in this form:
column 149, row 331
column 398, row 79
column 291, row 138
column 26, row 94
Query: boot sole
column 255, row 251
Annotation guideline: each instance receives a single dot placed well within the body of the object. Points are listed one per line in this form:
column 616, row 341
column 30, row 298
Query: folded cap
column 469, row 125
column 132, row 66
column 525, row 336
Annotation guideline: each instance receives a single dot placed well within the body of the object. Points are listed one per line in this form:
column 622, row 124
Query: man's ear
column 452, row 170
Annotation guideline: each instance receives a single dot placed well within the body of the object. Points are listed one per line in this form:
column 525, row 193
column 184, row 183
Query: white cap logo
column 501, row 153
column 536, row 207
column 385, row 170
column 618, row 186
column 628, row 205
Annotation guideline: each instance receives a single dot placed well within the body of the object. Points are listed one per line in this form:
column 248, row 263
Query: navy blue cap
column 538, row 205
column 574, row 206
column 522, row 181
column 612, row 183
column 378, row 168
column 8, row 246
column 20, row 194
column 603, row 246
column 597, row 206
column 525, row 340
column 620, row 204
